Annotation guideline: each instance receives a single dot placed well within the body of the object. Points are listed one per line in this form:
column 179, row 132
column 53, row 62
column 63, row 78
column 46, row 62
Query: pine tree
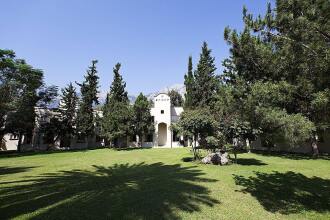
column 88, row 89
column 189, row 84
column 206, row 82
column 21, row 121
column 116, row 111
column 68, row 114
column 7, row 68
column 176, row 98
column 282, row 59
column 142, row 120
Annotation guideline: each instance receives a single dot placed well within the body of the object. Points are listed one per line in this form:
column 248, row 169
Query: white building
column 165, row 115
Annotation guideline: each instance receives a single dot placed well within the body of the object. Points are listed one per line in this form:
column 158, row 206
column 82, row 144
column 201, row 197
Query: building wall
column 164, row 113
column 10, row 142
column 162, row 119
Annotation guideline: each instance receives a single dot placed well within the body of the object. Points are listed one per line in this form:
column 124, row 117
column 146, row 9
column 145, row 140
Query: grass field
column 161, row 184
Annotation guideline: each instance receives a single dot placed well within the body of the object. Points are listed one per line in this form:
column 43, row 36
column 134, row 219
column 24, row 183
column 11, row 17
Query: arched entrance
column 162, row 134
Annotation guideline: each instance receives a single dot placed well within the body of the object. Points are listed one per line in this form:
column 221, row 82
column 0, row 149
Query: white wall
column 8, row 143
column 162, row 103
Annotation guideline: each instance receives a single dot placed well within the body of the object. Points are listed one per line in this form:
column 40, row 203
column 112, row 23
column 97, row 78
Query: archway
column 162, row 134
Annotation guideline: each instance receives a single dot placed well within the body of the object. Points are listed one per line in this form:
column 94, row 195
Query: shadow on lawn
column 250, row 162
column 287, row 192
column 10, row 154
column 132, row 148
column 146, row 191
column 12, row 170
column 240, row 161
column 293, row 156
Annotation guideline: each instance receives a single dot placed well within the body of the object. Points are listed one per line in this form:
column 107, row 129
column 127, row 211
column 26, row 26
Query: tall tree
column 287, row 51
column 88, row 90
column 205, row 80
column 142, row 119
column 176, row 98
column 68, row 111
column 189, row 83
column 7, row 70
column 29, row 93
column 116, row 111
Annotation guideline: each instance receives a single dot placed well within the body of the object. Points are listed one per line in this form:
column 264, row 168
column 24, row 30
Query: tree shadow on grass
column 187, row 159
column 250, row 162
column 123, row 191
column 11, row 154
column 292, row 156
column 11, row 170
column 132, row 148
column 288, row 192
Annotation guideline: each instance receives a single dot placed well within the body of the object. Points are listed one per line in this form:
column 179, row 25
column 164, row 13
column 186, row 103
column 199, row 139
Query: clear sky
column 151, row 38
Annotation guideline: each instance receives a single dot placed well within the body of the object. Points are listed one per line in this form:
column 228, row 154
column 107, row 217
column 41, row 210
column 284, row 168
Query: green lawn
column 161, row 184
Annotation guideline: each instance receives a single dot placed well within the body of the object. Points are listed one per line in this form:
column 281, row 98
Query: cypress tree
column 205, row 80
column 176, row 98
column 88, row 89
column 189, row 84
column 142, row 119
column 116, row 111
column 68, row 114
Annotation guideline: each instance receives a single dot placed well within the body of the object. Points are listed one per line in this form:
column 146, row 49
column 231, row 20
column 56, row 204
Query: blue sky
column 151, row 38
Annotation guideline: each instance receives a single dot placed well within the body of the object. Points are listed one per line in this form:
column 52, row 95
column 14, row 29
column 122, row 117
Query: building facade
column 163, row 113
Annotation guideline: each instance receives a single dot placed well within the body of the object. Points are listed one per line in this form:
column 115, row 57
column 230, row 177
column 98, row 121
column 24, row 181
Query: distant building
column 164, row 114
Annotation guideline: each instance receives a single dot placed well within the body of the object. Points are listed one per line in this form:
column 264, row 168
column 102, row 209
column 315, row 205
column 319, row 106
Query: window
column 149, row 138
column 13, row 137
column 161, row 111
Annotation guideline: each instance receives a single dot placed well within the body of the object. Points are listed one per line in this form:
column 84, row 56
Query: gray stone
column 216, row 158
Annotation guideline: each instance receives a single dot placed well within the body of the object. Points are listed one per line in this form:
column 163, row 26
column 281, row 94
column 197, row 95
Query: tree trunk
column 235, row 146
column 19, row 144
column 248, row 145
column 314, row 145
column 2, row 142
column 194, row 147
column 140, row 140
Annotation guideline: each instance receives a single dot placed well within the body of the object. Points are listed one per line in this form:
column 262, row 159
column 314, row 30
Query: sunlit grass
column 159, row 184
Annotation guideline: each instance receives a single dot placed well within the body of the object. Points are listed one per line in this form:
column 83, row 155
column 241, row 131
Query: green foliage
column 52, row 130
column 116, row 124
column 176, row 98
column 117, row 114
column 198, row 123
column 278, row 70
column 88, row 90
column 68, row 113
column 7, row 68
column 190, row 86
column 142, row 122
column 22, row 89
column 201, row 86
column 279, row 126
column 205, row 80
column 117, row 90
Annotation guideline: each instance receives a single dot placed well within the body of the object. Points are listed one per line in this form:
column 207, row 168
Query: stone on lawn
column 216, row 158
